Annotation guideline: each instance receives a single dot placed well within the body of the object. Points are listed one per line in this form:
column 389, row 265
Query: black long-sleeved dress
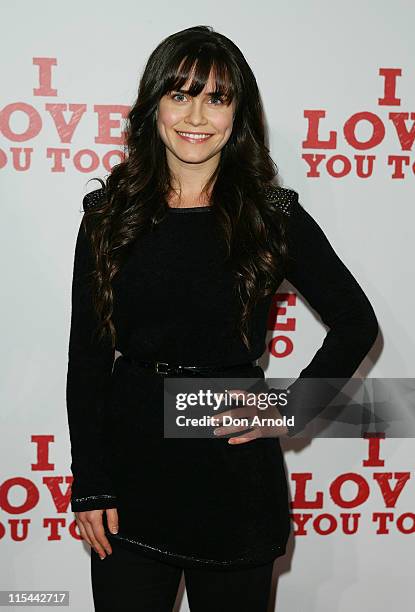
column 194, row 502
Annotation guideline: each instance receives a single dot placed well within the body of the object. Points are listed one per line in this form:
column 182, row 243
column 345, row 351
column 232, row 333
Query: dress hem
column 253, row 558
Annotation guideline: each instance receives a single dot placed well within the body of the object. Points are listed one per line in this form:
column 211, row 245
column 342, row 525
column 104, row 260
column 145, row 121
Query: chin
column 188, row 157
column 192, row 160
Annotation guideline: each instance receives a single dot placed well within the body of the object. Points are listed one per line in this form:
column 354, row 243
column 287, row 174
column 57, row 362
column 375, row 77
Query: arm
column 88, row 376
column 331, row 290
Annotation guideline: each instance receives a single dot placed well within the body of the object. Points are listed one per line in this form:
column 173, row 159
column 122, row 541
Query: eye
column 219, row 99
column 174, row 96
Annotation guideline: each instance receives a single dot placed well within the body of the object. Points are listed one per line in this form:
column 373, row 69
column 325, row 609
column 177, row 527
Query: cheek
column 224, row 125
column 168, row 117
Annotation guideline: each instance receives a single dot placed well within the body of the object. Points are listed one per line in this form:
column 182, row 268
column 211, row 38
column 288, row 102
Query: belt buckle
column 158, row 363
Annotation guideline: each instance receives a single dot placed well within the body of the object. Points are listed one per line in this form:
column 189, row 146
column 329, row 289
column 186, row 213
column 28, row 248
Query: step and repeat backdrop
column 338, row 86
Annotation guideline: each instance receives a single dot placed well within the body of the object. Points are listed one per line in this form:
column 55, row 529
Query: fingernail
column 237, row 440
column 216, row 431
column 114, row 530
column 103, row 557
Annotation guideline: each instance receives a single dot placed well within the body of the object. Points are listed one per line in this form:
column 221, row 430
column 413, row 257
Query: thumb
column 112, row 519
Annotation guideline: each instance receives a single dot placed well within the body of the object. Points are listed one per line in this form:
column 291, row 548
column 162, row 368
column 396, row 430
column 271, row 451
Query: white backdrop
column 333, row 76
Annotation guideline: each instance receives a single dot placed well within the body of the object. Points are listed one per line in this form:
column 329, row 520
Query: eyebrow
column 209, row 93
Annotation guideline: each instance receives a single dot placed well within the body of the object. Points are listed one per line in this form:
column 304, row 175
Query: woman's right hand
column 92, row 530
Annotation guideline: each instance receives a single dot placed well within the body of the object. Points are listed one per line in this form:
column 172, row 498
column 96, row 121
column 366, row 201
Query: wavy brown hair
column 136, row 190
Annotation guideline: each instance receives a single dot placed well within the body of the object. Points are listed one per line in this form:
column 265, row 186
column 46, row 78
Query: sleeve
column 89, row 371
column 318, row 273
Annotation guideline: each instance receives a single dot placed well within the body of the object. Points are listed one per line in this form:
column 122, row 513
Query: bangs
column 198, row 67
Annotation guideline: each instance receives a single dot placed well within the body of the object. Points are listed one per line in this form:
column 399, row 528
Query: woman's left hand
column 248, row 412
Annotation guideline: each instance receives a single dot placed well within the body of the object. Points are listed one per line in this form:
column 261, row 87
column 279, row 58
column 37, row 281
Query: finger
column 94, row 542
column 221, row 397
column 230, row 429
column 238, row 394
column 280, row 431
column 219, row 418
column 99, row 534
column 273, row 431
column 243, row 411
column 245, row 438
column 83, row 532
column 112, row 519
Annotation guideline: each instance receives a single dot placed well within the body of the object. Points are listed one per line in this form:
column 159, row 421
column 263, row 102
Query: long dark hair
column 253, row 229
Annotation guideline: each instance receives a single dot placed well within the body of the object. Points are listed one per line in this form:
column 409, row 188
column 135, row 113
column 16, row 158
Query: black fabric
column 335, row 295
column 196, row 502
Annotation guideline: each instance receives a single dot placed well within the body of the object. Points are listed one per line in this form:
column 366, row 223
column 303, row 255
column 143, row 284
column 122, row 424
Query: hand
column 249, row 411
column 92, row 530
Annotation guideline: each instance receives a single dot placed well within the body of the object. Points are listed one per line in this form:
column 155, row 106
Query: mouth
column 194, row 137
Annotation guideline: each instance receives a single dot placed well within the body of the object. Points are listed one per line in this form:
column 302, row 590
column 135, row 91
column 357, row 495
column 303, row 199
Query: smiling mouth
column 194, row 137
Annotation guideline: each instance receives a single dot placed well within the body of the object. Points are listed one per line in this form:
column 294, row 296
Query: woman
column 177, row 259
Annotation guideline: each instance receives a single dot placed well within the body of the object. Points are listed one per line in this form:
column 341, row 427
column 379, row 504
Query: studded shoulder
column 93, row 199
column 285, row 199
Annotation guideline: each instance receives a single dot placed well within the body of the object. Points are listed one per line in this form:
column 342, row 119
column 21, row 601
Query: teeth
column 195, row 136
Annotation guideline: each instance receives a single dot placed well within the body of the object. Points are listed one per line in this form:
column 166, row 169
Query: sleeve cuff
column 93, row 502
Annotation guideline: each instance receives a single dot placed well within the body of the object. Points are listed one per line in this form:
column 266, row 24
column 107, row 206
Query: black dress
column 193, row 502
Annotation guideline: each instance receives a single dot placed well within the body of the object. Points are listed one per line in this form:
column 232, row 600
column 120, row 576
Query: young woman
column 177, row 259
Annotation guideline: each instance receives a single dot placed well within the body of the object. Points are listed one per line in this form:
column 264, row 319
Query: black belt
column 162, row 367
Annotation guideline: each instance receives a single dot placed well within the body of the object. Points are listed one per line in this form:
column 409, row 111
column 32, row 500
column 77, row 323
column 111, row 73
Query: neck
column 189, row 180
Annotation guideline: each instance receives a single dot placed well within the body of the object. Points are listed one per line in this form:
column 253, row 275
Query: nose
column 196, row 115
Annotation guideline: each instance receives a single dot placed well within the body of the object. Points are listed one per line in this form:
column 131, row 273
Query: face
column 194, row 130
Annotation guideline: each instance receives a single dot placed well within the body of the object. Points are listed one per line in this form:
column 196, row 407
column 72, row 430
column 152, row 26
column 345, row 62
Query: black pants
column 127, row 580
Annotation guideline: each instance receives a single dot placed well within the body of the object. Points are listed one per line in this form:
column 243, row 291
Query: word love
column 387, row 487
column 62, row 122
column 362, row 131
